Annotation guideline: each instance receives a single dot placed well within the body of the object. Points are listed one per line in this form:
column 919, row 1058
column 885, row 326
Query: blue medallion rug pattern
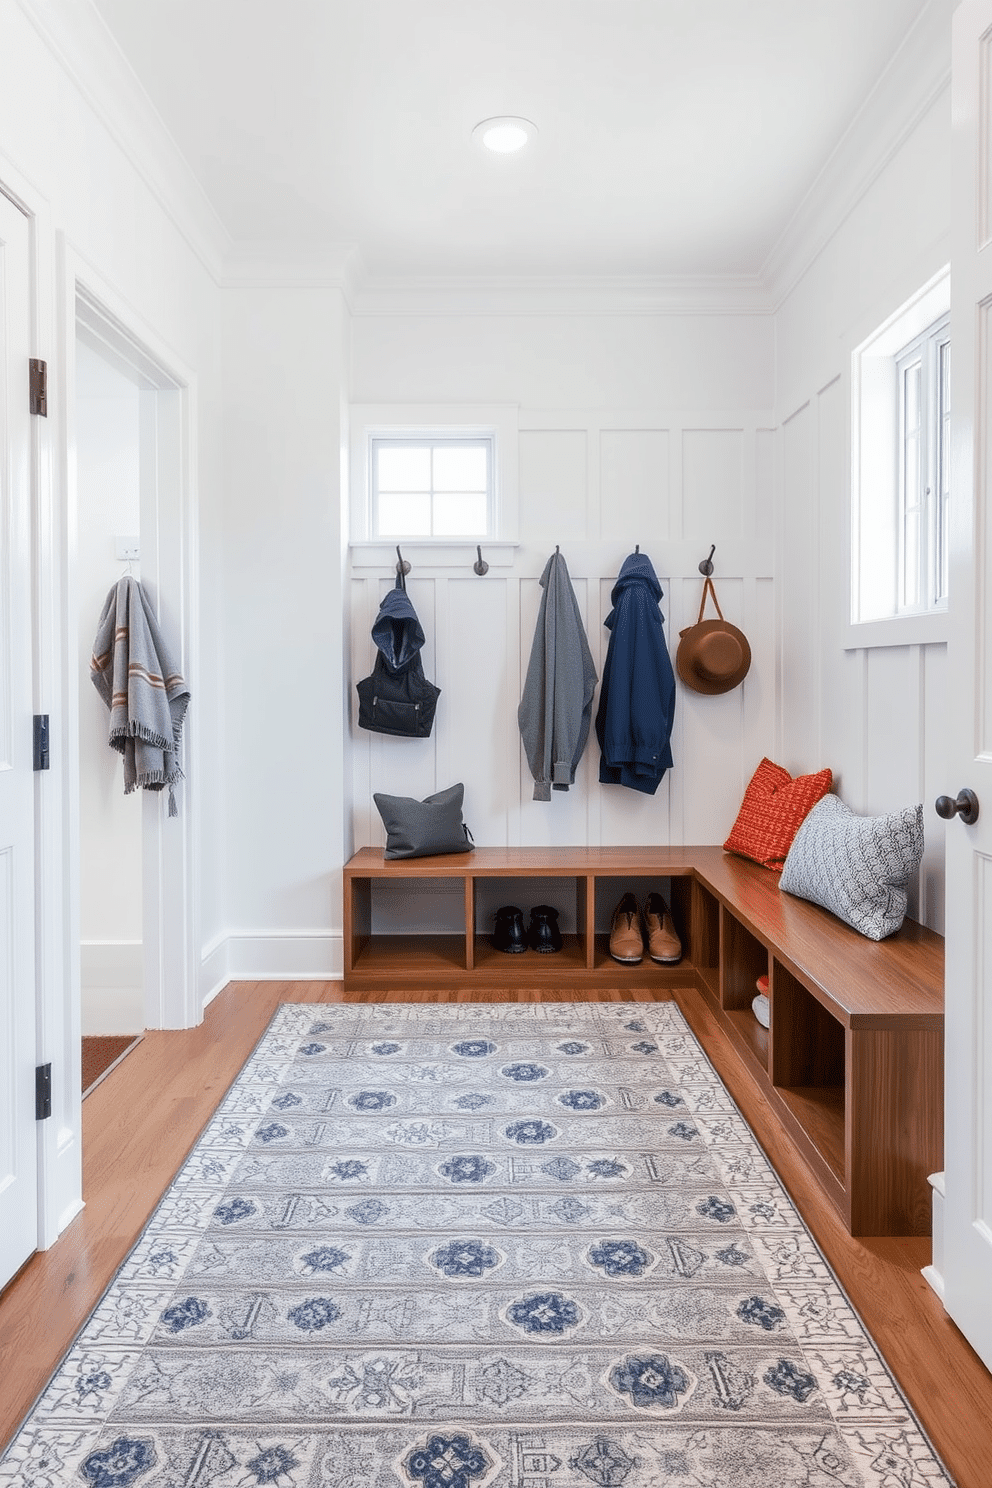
column 471, row 1246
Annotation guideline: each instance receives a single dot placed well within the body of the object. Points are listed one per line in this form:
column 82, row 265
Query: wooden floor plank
column 142, row 1120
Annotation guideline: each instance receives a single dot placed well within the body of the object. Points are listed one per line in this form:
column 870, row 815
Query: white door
column 967, row 1268
column 18, row 1131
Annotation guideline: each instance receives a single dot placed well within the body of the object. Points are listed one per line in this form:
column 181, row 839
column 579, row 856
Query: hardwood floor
column 141, row 1121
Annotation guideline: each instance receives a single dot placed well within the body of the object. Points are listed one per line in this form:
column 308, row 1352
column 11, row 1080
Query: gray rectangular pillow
column 858, row 867
column 423, row 829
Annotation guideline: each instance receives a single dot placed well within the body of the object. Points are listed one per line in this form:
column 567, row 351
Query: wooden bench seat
column 853, row 1057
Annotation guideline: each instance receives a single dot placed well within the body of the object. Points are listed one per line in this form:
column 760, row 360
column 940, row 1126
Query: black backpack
column 397, row 698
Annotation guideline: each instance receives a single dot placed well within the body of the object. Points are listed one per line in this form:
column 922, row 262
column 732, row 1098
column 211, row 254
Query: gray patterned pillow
column 858, row 867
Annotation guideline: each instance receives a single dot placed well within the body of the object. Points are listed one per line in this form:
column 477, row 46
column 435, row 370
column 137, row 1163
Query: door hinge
column 43, row 1092
column 39, row 386
column 42, row 759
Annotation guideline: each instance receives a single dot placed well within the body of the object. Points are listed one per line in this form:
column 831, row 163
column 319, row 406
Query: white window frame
column 929, row 571
column 499, row 422
column 428, row 439
column 878, row 614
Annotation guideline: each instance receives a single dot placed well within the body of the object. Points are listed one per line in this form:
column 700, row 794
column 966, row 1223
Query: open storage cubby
column 743, row 960
column 574, row 879
column 809, row 1066
column 853, row 1059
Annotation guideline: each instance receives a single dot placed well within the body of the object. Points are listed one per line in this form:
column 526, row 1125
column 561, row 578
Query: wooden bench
column 852, row 1061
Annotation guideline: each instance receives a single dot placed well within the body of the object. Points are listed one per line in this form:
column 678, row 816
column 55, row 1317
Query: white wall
column 282, row 738
column 110, row 844
column 113, row 204
column 646, row 429
column 874, row 716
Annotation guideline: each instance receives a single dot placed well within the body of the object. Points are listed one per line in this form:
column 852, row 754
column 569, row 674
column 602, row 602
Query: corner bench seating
column 852, row 1061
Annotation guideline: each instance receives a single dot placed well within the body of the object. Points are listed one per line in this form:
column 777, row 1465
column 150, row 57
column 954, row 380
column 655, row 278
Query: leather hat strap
column 709, row 589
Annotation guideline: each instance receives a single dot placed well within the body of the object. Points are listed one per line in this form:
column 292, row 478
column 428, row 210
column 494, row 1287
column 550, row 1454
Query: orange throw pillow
column 773, row 810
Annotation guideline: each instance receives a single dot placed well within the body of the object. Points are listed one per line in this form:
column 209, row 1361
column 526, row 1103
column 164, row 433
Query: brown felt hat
column 713, row 655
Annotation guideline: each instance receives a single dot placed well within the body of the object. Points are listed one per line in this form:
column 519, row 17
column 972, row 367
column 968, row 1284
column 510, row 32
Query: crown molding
column 283, row 265
column 670, row 294
column 916, row 77
column 84, row 48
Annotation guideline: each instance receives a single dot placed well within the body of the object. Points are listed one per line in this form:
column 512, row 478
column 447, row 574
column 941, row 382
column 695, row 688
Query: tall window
column 900, row 474
column 924, row 380
column 432, row 486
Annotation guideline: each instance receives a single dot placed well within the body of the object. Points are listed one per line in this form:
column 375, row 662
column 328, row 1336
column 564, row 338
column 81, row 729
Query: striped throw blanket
column 135, row 674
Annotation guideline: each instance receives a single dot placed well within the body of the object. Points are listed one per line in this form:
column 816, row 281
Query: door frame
column 169, row 574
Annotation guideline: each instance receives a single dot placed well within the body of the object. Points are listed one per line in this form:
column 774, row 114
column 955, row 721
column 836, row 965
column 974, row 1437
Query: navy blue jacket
column 397, row 698
column 637, row 699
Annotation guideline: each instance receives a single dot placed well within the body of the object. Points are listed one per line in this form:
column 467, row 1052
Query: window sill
column 432, row 552
column 899, row 630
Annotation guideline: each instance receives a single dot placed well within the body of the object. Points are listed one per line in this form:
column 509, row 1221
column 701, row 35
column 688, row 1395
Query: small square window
column 432, row 486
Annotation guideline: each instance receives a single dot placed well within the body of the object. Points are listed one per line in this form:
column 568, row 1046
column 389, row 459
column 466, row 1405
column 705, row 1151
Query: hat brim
column 686, row 658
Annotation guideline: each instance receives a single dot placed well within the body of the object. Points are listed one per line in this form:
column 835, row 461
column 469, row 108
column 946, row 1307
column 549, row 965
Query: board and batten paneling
column 596, row 486
column 875, row 716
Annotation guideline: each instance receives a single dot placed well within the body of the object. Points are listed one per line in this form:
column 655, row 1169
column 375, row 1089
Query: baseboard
column 214, row 975
column 292, row 956
column 934, row 1273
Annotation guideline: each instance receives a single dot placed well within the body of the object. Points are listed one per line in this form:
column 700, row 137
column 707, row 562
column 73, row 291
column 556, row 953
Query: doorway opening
column 136, row 906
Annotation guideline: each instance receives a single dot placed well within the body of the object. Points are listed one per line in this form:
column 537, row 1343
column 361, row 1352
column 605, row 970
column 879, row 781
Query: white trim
column 279, row 265
column 432, row 552
column 918, row 75
column 270, row 956
column 214, row 973
column 88, row 54
column 169, row 573
column 934, row 1273
column 57, row 986
column 285, row 955
column 898, row 630
column 605, row 294
column 872, row 507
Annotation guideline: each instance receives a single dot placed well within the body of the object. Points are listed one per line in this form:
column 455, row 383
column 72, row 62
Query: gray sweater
column 556, row 707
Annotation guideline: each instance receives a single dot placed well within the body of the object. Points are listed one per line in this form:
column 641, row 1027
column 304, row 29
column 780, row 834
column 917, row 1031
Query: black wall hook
column 706, row 566
column 480, row 566
column 403, row 566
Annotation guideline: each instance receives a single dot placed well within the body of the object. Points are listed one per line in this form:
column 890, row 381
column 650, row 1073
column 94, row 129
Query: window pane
column 462, row 515
column 911, row 563
column 460, row 468
column 404, row 468
column 911, row 384
column 406, row 515
column 911, row 478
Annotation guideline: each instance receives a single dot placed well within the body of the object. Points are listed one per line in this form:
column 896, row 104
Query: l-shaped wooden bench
column 852, row 1061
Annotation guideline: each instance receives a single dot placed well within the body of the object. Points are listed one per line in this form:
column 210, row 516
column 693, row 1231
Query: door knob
column 965, row 805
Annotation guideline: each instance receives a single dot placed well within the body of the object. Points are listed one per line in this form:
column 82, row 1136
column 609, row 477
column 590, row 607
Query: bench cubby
column 852, row 1061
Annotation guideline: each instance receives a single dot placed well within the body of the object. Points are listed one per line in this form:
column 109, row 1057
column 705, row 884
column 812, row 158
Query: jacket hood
column 637, row 573
column 397, row 632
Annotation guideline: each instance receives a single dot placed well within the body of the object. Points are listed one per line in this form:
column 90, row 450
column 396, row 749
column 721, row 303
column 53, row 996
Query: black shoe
column 509, row 934
column 543, row 932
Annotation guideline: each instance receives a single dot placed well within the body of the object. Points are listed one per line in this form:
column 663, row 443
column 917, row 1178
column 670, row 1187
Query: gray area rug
column 464, row 1245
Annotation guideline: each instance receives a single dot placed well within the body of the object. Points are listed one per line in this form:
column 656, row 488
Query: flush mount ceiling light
column 505, row 135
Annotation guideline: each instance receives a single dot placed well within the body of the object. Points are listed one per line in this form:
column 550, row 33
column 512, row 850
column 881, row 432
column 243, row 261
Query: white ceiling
column 676, row 136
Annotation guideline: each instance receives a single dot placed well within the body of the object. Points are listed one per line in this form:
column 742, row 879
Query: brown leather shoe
column 626, row 940
column 663, row 941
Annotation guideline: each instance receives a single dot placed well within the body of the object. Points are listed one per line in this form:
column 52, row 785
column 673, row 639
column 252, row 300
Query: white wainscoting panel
column 596, row 485
column 634, row 483
column 712, row 483
column 554, row 468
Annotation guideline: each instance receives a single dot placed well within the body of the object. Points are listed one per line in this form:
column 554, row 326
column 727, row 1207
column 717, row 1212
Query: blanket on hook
column 134, row 672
